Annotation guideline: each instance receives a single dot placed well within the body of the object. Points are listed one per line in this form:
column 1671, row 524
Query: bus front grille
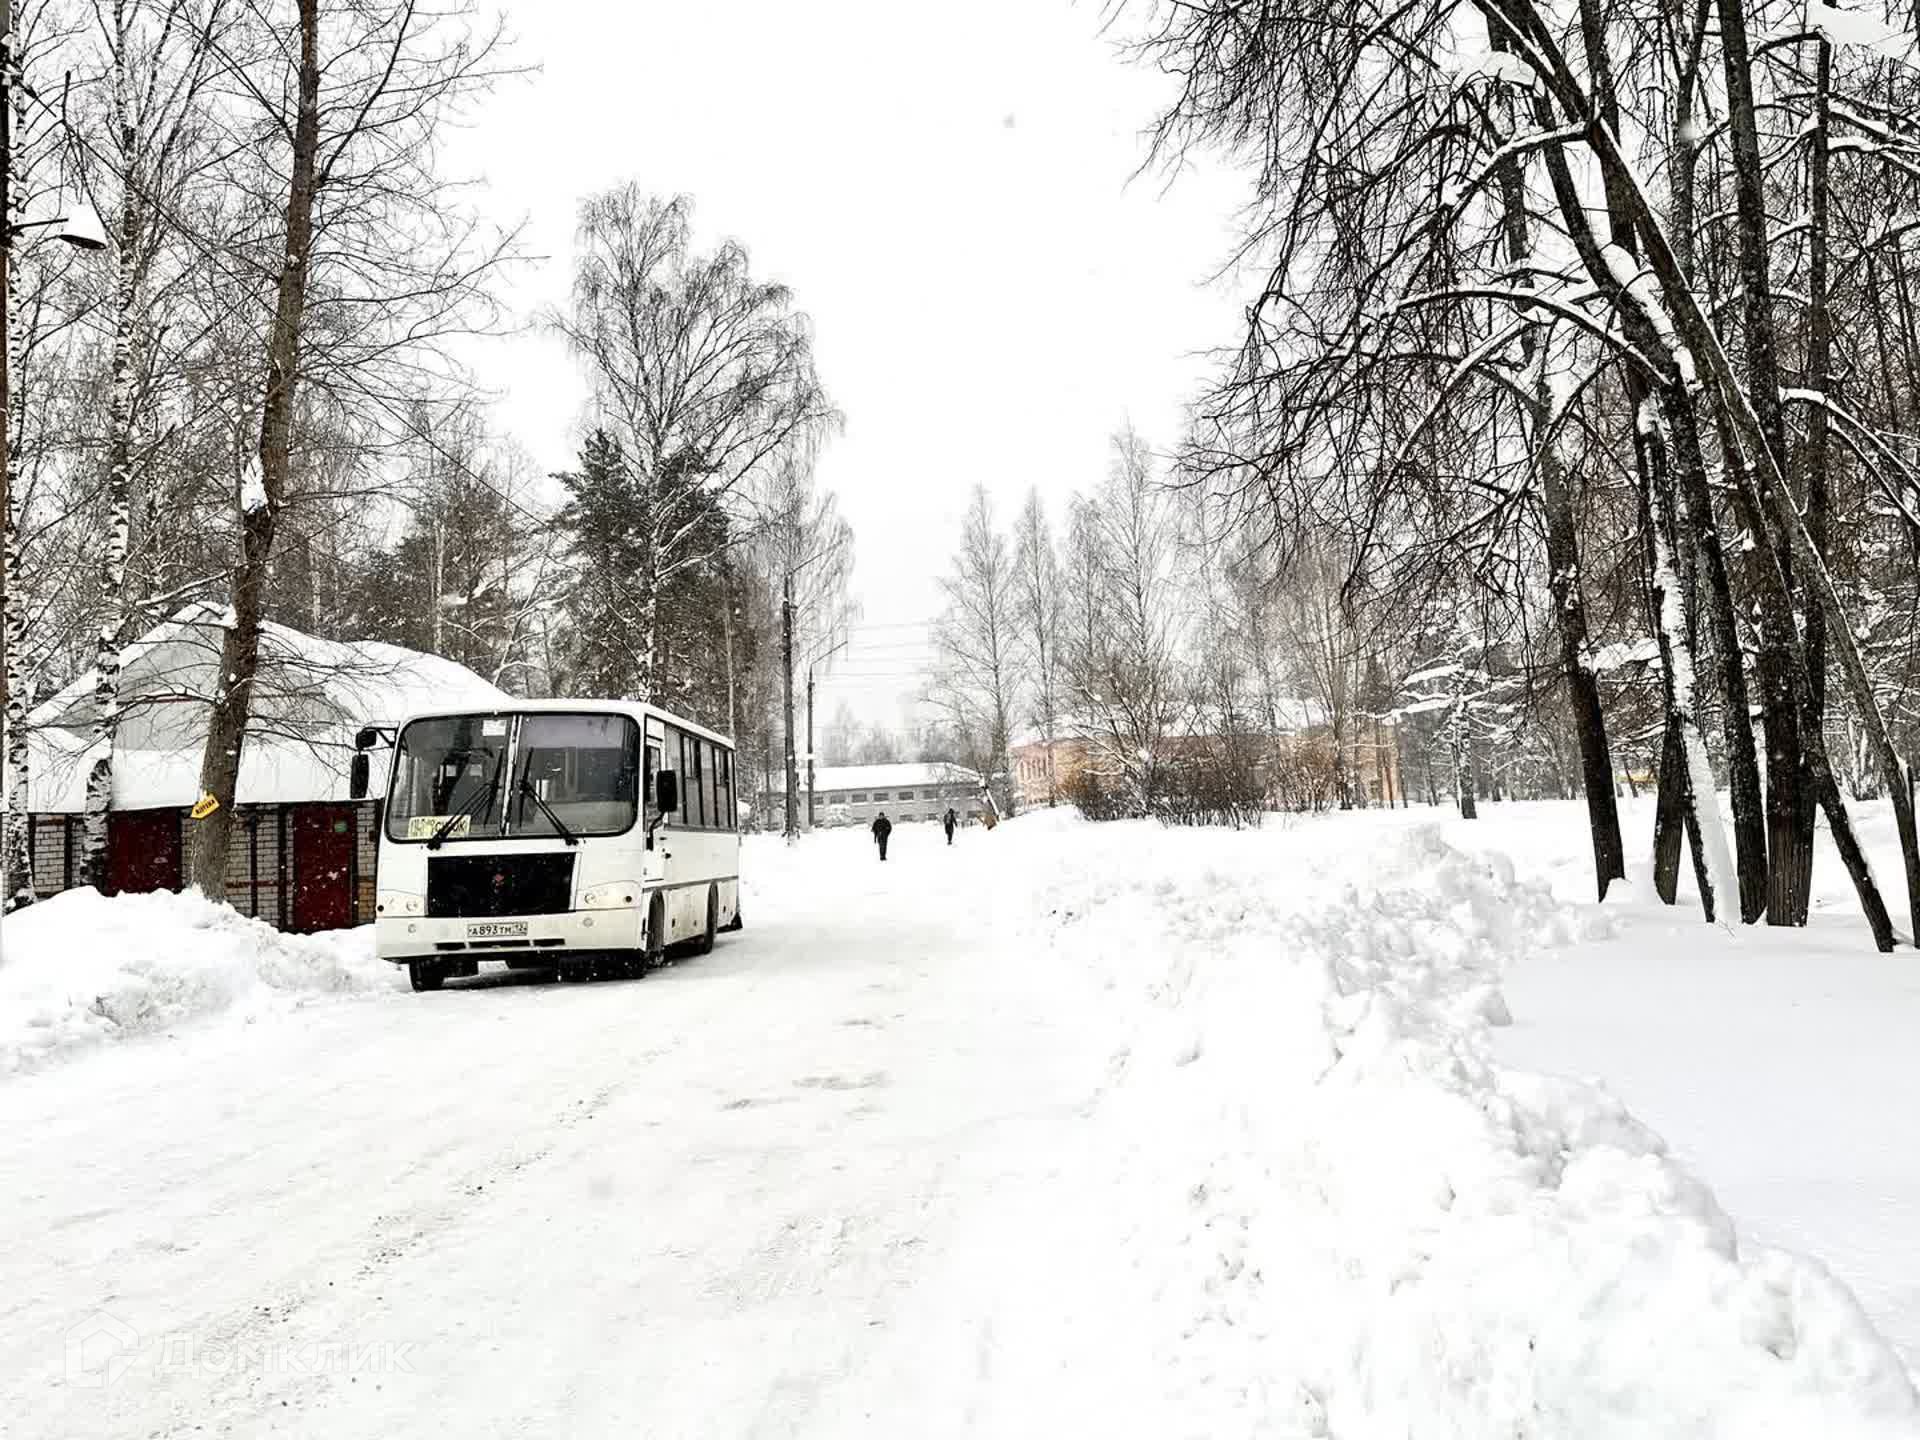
column 489, row 885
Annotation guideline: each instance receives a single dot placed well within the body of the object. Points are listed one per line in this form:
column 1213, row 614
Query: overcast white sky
column 950, row 192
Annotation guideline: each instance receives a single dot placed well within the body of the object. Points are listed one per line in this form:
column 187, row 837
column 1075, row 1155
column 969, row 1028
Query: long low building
column 854, row 794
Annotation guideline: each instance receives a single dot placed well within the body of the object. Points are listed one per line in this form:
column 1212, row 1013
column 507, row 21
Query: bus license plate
column 496, row 930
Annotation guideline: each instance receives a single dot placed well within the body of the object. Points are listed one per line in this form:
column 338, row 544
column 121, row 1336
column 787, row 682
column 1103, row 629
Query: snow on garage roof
column 311, row 697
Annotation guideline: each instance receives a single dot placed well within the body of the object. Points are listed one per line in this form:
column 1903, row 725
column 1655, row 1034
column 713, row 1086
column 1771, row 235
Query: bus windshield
column 451, row 777
column 582, row 771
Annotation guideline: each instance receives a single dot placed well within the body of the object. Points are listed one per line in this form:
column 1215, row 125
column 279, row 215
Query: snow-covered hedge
column 80, row 969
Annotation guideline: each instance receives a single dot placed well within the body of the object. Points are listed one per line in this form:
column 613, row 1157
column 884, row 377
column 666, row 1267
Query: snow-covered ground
column 1779, row 1064
column 1065, row 1130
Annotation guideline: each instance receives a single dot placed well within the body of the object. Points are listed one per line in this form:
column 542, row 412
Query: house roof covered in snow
column 890, row 777
column 311, row 696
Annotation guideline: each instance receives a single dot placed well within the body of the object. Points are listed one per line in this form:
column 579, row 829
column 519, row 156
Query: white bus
column 578, row 835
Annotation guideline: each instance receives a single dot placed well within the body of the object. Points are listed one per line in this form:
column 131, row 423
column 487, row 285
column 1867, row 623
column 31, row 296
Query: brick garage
column 302, row 854
column 299, row 867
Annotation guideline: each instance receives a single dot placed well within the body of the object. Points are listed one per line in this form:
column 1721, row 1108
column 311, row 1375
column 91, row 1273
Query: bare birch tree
column 1041, row 607
column 979, row 651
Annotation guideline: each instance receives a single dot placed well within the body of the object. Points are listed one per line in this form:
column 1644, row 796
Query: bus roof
column 633, row 708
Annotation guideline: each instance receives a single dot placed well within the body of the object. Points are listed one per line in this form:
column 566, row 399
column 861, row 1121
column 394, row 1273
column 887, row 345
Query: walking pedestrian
column 882, row 828
column 950, row 821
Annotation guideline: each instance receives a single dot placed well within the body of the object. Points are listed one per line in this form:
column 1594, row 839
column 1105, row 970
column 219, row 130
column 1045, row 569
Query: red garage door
column 143, row 851
column 322, row 867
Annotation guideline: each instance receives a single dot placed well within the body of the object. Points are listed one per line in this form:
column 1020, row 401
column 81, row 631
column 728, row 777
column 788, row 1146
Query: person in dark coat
column 882, row 828
column 950, row 821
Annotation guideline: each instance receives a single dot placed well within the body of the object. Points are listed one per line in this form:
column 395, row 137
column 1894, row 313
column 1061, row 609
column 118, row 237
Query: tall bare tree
column 980, row 654
column 702, row 372
column 1041, row 605
column 371, row 264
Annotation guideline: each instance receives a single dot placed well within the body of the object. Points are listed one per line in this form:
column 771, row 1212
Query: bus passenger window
column 709, row 798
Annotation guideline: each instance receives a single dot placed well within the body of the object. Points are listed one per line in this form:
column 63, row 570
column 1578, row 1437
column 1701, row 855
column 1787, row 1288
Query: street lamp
column 82, row 229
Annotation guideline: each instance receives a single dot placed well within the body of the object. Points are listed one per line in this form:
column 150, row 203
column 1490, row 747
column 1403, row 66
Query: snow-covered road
column 1070, row 1129
column 690, row 1203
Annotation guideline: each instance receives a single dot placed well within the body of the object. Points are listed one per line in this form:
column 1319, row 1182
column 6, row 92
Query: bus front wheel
column 704, row 945
column 425, row 975
column 655, row 954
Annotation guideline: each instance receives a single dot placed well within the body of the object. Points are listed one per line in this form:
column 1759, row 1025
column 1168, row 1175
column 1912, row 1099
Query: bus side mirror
column 358, row 771
column 666, row 792
column 367, row 738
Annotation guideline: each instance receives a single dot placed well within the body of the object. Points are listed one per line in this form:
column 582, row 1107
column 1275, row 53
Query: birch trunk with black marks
column 112, row 599
column 1460, row 744
column 15, row 854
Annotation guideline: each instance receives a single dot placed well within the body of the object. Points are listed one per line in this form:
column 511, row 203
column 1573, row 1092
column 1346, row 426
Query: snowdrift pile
column 81, row 969
column 1366, row 1227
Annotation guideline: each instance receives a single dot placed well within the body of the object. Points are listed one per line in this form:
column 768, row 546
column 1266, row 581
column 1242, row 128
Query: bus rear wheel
column 425, row 975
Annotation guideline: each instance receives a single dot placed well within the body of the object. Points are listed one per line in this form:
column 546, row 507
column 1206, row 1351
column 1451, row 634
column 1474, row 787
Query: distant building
column 854, row 794
column 302, row 853
column 1044, row 768
column 1372, row 759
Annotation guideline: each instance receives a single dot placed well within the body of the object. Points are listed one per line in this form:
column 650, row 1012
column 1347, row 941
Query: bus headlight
column 616, row 895
column 396, row 902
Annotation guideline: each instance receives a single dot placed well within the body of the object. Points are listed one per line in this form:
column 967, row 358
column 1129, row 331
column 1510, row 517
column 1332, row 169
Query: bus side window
column 694, row 815
column 686, row 779
column 723, row 789
column 707, row 816
column 700, row 762
column 709, row 780
column 652, row 768
column 692, row 783
column 672, row 761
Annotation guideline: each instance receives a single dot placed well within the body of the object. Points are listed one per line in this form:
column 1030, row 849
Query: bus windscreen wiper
column 559, row 825
column 485, row 797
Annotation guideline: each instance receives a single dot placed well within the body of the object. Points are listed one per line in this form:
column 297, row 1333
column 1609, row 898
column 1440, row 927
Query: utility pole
column 786, row 671
column 793, row 780
column 726, row 623
column 828, row 655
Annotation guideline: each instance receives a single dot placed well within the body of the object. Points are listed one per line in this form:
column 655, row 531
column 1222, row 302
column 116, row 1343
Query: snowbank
column 1764, row 1056
column 1365, row 1226
column 81, row 969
